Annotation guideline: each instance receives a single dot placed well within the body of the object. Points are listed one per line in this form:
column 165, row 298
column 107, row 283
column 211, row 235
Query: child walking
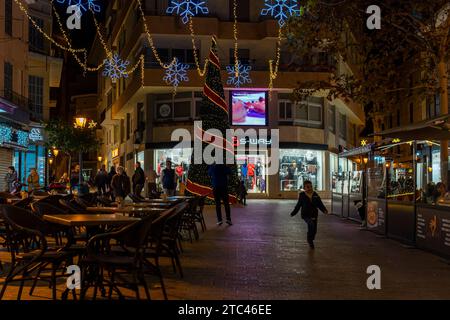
column 309, row 202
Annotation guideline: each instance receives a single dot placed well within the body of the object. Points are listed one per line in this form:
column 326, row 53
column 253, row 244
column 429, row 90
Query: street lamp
column 366, row 160
column 80, row 123
column 100, row 159
column 55, row 152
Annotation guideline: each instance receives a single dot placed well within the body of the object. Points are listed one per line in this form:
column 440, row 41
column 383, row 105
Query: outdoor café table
column 129, row 210
column 89, row 220
column 164, row 205
column 13, row 200
column 180, row 198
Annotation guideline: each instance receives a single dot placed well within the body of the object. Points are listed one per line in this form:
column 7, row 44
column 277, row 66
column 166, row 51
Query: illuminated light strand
column 197, row 61
column 82, row 64
column 150, row 40
column 49, row 38
column 235, row 33
column 109, row 53
column 274, row 70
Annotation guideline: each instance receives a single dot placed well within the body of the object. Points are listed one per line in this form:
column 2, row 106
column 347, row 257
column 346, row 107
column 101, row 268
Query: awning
column 358, row 151
column 434, row 129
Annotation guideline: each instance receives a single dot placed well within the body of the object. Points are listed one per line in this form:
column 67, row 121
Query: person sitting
column 441, row 195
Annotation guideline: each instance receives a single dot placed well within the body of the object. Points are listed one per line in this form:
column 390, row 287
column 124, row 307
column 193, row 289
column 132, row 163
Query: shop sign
column 251, row 141
column 36, row 135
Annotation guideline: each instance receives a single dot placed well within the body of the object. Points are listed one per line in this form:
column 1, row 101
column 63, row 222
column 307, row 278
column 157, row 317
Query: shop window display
column 181, row 158
column 252, row 170
column 296, row 166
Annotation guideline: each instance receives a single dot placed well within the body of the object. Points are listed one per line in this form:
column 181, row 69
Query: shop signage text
column 36, row 135
column 251, row 141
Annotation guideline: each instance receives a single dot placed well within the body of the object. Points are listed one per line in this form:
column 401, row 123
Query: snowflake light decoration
column 176, row 73
column 187, row 8
column 5, row 133
column 83, row 5
column 243, row 76
column 281, row 10
column 115, row 68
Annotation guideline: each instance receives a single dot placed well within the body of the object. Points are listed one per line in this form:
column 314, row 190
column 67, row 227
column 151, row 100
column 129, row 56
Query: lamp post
column 80, row 123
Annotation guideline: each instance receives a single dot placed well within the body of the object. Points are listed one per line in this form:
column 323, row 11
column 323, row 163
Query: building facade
column 138, row 121
column 30, row 73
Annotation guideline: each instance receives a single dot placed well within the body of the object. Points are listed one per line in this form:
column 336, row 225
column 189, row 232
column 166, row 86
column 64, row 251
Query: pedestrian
column 64, row 178
column 359, row 205
column 111, row 174
column 100, row 180
column 219, row 180
column 242, row 192
column 10, row 178
column 75, row 177
column 120, row 185
column 309, row 202
column 138, row 179
column 151, row 179
column 169, row 180
column 33, row 181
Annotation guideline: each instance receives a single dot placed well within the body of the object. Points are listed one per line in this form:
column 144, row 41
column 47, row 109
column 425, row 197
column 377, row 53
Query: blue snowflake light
column 115, row 68
column 22, row 138
column 83, row 5
column 187, row 8
column 281, row 10
column 176, row 73
column 242, row 78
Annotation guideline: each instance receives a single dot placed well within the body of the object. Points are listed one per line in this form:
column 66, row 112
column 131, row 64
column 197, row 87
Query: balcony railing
column 16, row 99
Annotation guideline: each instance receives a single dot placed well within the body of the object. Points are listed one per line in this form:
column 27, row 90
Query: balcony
column 15, row 106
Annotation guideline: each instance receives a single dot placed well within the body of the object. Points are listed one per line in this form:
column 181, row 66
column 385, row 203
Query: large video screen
column 249, row 108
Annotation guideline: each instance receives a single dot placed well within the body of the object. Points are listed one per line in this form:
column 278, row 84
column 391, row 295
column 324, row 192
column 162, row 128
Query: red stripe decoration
column 214, row 59
column 218, row 141
column 215, row 98
column 199, row 190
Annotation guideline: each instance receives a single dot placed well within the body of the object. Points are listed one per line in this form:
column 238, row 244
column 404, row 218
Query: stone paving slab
column 264, row 255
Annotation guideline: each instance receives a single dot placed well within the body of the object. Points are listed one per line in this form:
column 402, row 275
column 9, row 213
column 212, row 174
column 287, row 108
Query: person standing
column 100, row 180
column 151, row 179
column 219, row 179
column 309, row 202
column 120, row 185
column 33, row 180
column 242, row 192
column 138, row 179
column 169, row 179
column 10, row 178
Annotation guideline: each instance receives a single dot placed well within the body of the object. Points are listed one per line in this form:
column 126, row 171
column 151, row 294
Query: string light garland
column 151, row 42
column 61, row 28
column 235, row 33
column 197, row 63
column 273, row 71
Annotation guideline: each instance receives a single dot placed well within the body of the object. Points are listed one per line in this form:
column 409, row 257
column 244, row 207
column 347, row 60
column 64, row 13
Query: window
column 398, row 118
column 285, row 110
column 116, row 134
column 182, row 55
column 309, row 112
column 437, row 106
column 8, row 79
column 297, row 166
column 391, row 120
column 243, row 56
column 128, row 126
column 109, row 99
column 36, row 95
column 8, row 17
column 122, row 131
column 342, row 126
column 36, row 41
column 332, row 119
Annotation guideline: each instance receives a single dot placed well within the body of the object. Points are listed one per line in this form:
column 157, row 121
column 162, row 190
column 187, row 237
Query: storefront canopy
column 434, row 129
column 357, row 151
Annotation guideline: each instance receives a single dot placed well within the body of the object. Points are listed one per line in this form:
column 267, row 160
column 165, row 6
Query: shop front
column 295, row 166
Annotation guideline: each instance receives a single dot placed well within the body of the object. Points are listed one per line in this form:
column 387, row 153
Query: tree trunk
column 443, row 82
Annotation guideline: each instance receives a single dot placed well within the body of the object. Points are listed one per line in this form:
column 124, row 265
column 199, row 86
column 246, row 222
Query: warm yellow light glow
column 430, row 169
column 388, row 165
column 366, row 160
column 50, row 161
column 396, row 140
column 80, row 122
column 363, row 143
column 55, row 152
column 100, row 159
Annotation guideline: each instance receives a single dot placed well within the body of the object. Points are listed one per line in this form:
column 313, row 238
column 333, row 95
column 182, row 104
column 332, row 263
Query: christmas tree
column 214, row 115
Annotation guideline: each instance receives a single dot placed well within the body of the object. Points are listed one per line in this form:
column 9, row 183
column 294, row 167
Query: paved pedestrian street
column 264, row 255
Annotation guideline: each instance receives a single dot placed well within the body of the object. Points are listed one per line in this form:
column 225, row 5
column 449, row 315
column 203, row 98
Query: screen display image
column 249, row 108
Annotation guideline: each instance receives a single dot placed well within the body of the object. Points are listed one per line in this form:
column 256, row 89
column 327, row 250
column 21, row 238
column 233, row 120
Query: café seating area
column 117, row 247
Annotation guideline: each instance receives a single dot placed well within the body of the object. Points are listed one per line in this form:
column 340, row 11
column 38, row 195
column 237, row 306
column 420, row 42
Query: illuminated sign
column 251, row 141
column 36, row 135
